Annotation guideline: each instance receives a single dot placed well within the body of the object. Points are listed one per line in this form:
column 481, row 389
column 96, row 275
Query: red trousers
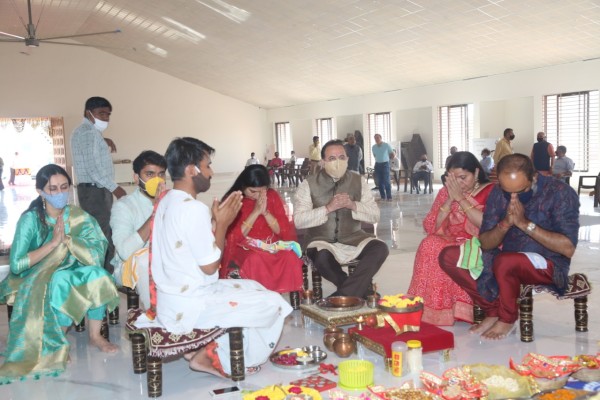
column 511, row 271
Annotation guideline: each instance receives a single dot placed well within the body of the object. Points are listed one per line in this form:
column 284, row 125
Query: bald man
column 528, row 236
column 542, row 155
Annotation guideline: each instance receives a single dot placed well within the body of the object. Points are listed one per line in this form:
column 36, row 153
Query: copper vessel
column 330, row 334
column 343, row 346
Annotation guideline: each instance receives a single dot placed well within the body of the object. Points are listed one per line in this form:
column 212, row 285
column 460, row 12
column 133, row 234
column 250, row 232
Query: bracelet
column 504, row 226
column 247, row 225
column 467, row 209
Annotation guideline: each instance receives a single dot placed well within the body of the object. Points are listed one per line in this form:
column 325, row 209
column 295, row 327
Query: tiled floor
column 93, row 375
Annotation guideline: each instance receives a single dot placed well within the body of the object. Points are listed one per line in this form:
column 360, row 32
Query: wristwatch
column 531, row 227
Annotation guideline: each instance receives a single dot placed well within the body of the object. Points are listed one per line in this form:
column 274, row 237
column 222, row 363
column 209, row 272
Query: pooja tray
column 341, row 303
column 404, row 310
column 315, row 355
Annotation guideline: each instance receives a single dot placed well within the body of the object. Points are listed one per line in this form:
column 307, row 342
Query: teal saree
column 64, row 286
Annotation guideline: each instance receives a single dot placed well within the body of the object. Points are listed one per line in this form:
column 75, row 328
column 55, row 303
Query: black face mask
column 540, row 139
column 201, row 183
column 512, row 137
column 524, row 197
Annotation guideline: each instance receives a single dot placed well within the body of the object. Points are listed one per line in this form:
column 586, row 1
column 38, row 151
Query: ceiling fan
column 31, row 40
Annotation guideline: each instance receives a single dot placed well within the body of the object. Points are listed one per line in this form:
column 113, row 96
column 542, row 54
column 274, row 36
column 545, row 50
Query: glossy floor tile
column 93, row 375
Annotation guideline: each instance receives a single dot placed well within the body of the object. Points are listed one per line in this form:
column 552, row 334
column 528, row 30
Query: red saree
column 280, row 272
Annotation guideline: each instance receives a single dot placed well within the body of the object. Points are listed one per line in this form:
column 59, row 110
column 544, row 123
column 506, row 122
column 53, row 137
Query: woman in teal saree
column 55, row 279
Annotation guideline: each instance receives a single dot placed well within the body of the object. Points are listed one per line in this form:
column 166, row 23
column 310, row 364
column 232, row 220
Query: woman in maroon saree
column 262, row 217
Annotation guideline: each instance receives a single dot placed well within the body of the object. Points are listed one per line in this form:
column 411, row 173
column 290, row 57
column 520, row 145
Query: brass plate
column 341, row 303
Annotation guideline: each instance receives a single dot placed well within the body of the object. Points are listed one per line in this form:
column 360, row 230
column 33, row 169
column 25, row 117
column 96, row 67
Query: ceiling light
column 227, row 10
column 156, row 50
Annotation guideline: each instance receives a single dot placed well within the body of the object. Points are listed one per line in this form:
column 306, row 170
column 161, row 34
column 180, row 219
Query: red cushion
column 432, row 338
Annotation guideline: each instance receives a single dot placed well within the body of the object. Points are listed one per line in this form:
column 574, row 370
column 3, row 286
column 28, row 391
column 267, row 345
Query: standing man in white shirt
column 130, row 222
column 252, row 160
column 94, row 168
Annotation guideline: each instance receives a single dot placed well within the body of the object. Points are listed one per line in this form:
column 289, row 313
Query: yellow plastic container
column 355, row 374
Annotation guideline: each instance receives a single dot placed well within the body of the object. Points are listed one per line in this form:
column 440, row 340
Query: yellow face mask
column 151, row 185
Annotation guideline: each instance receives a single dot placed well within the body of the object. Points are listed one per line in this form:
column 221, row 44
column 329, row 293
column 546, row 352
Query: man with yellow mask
column 331, row 205
column 130, row 222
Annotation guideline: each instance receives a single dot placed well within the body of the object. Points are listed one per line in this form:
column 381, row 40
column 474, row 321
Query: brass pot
column 330, row 334
column 343, row 346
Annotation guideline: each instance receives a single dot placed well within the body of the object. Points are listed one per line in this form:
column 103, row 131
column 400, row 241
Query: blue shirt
column 382, row 152
column 554, row 206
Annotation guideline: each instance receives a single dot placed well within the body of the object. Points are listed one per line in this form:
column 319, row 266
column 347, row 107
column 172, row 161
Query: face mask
column 58, row 200
column 201, row 183
column 512, row 137
column 540, row 139
column 523, row 197
column 99, row 124
column 337, row 168
column 151, row 185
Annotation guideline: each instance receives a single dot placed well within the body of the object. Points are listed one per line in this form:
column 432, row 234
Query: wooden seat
column 586, row 185
column 149, row 346
column 414, row 184
column 578, row 289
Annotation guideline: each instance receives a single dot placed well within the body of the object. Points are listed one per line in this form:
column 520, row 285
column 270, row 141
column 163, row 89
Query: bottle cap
column 414, row 344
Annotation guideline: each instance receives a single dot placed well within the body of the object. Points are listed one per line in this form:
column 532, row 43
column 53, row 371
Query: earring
column 44, row 203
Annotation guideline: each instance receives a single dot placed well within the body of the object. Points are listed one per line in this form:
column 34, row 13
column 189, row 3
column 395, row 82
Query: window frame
column 285, row 144
column 449, row 134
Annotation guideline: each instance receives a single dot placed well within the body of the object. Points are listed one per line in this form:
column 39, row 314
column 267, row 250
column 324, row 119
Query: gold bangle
column 247, row 225
column 467, row 209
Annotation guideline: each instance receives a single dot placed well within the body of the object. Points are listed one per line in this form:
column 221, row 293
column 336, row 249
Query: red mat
column 432, row 338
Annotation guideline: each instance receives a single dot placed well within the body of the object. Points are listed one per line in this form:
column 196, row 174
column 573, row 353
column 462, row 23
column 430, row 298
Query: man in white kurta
column 184, row 248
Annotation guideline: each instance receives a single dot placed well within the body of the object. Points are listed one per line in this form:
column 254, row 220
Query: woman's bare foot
column 200, row 362
column 483, row 326
column 103, row 345
column 190, row 355
column 499, row 331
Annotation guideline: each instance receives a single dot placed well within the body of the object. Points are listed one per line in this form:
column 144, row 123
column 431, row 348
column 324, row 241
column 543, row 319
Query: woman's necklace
column 475, row 187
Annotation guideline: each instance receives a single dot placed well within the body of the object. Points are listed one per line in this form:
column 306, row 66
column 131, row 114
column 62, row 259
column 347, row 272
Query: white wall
column 509, row 100
column 149, row 108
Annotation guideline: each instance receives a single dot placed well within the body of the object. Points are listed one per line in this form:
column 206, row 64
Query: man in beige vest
column 331, row 206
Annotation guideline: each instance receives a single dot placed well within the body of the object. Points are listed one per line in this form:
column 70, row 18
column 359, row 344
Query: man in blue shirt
column 381, row 152
column 528, row 236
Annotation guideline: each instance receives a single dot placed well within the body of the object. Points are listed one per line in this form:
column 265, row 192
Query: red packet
column 316, row 382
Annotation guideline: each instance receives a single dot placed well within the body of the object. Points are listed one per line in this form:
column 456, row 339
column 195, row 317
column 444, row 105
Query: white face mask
column 99, row 124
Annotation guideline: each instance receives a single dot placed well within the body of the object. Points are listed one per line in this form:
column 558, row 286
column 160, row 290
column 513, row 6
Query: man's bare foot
column 483, row 326
column 200, row 362
column 190, row 355
column 104, row 345
column 499, row 331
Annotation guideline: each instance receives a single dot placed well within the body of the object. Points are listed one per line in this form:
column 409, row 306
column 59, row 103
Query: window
column 379, row 123
column 284, row 139
column 455, row 126
column 324, row 129
column 571, row 120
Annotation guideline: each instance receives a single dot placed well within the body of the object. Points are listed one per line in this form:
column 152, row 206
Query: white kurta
column 187, row 298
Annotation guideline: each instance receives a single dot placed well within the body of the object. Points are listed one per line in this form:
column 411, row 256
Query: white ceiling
column 275, row 53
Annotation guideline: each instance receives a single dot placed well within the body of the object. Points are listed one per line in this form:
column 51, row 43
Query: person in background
column 453, row 150
column 455, row 217
column 332, row 206
column 14, row 164
column 262, row 217
column 528, row 235
column 292, row 158
column 381, row 152
column 563, row 166
column 504, row 146
column 274, row 167
column 487, row 162
column 56, row 278
column 542, row 155
column 252, row 160
column 187, row 245
column 94, row 168
column 1, row 170
column 314, row 154
column 130, row 220
column 354, row 153
column 395, row 168
column 422, row 172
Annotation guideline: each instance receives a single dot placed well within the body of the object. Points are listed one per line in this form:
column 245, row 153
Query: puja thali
column 340, row 303
column 298, row 358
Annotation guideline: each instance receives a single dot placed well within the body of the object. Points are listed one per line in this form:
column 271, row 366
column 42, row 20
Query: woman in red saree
column 262, row 217
column 455, row 217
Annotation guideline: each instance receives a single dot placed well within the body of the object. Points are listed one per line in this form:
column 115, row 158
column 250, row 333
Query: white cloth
column 395, row 164
column 187, row 298
column 251, row 161
column 128, row 214
column 427, row 164
column 306, row 216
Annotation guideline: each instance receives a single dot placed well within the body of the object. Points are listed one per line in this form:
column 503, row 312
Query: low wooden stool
column 317, row 279
column 578, row 289
column 150, row 345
